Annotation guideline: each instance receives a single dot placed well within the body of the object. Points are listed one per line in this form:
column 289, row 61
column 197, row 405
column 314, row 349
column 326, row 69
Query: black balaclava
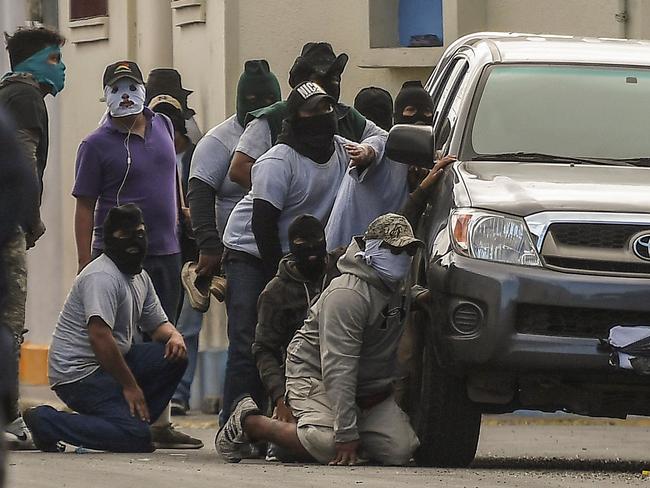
column 310, row 256
column 317, row 62
column 313, row 137
column 259, row 82
column 375, row 104
column 168, row 81
column 127, row 253
column 174, row 114
column 413, row 94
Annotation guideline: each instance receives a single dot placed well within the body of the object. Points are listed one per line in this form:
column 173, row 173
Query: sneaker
column 218, row 288
column 179, row 408
column 18, row 437
column 199, row 300
column 29, row 422
column 272, row 454
column 231, row 438
column 167, row 437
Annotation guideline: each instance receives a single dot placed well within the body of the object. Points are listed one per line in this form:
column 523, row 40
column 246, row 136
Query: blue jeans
column 165, row 274
column 189, row 324
column 104, row 421
column 246, row 280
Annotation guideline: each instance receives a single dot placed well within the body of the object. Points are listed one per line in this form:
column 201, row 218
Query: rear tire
column 446, row 421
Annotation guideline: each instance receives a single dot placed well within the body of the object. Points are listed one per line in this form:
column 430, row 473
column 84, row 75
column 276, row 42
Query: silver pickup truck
column 537, row 239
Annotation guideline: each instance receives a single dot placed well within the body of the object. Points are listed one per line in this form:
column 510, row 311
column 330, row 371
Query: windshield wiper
column 550, row 158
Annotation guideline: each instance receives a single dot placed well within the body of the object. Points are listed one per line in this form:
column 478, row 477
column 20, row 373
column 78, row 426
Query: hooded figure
column 413, row 105
column 312, row 122
column 317, row 62
column 375, row 104
column 167, row 82
column 257, row 88
column 284, row 303
column 129, row 248
column 359, row 202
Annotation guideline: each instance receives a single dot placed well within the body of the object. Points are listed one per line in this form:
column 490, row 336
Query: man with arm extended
column 300, row 175
column 116, row 387
column 37, row 70
column 318, row 63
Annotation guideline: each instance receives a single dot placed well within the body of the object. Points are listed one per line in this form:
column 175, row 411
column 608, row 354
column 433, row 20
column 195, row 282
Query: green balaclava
column 258, row 88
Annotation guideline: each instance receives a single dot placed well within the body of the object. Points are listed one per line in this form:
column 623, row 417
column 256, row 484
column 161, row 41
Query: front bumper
column 500, row 290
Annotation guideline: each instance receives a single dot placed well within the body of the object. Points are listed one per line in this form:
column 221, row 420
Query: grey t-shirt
column 382, row 188
column 210, row 164
column 292, row 183
column 256, row 139
column 122, row 301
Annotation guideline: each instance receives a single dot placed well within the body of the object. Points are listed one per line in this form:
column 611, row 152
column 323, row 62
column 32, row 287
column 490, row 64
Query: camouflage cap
column 393, row 229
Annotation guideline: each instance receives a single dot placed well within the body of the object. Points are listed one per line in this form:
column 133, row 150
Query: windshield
column 572, row 111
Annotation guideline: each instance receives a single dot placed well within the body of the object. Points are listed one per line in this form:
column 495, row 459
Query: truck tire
column 446, row 421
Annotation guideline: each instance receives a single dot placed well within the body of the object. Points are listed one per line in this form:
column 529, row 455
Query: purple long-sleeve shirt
column 151, row 182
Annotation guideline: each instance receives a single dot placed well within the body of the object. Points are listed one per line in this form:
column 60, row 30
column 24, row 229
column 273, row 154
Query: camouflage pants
column 12, row 315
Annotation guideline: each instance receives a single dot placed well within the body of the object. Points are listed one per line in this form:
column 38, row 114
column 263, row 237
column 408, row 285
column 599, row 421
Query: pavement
column 515, row 450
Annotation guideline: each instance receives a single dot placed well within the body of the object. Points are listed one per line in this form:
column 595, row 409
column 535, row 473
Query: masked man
column 375, row 104
column 116, row 386
column 283, row 305
column 131, row 158
column 317, row 63
column 386, row 185
column 341, row 364
column 212, row 196
column 36, row 71
column 300, row 175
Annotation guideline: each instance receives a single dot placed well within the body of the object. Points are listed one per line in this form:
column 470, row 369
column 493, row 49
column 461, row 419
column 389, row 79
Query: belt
column 369, row 401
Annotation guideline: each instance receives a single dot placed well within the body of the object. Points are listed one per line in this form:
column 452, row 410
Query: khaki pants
column 385, row 432
column 12, row 314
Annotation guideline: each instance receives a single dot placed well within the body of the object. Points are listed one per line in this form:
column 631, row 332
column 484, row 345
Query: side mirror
column 411, row 144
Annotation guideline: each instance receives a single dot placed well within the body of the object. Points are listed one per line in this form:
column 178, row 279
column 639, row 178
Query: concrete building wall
column 208, row 42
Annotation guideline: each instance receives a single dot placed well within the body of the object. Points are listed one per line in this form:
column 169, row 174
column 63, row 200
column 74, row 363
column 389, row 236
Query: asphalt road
column 513, row 452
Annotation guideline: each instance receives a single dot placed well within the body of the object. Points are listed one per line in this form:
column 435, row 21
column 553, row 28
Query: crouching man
column 116, row 386
column 341, row 364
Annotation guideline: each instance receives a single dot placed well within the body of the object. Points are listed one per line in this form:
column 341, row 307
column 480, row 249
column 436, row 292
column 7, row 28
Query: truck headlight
column 493, row 237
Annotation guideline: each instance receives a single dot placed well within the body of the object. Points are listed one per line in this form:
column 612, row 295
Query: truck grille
column 608, row 236
column 574, row 322
column 601, row 248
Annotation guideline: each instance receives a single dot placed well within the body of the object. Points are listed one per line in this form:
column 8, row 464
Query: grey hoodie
column 350, row 340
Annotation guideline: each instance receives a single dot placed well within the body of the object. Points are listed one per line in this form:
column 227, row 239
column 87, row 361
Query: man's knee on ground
column 388, row 450
column 318, row 441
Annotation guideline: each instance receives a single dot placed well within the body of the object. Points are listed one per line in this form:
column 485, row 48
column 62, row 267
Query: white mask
column 392, row 268
column 125, row 97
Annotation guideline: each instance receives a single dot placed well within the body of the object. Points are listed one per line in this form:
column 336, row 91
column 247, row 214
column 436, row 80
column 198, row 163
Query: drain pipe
column 623, row 17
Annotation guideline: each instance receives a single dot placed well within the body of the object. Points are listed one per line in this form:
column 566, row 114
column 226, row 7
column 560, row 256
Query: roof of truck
column 517, row 48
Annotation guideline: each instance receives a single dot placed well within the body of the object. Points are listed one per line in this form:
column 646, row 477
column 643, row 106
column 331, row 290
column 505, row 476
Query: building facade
column 208, row 42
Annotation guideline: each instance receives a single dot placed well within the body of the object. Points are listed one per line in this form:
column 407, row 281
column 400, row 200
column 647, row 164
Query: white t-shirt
column 256, row 139
column 382, row 189
column 292, row 183
column 211, row 162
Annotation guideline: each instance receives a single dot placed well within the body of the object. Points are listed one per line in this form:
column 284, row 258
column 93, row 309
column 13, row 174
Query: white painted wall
column 210, row 57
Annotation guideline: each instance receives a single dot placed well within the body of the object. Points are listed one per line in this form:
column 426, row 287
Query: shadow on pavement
column 561, row 464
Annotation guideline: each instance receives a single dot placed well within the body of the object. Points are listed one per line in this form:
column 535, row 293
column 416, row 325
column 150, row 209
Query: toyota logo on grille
column 641, row 247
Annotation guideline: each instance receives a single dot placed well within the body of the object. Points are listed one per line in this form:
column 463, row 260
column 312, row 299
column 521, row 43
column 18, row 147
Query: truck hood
column 526, row 188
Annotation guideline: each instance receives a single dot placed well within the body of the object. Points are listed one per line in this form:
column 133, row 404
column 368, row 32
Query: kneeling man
column 116, row 387
column 341, row 364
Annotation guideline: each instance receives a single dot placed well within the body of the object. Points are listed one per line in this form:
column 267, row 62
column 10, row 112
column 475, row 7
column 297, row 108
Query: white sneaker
column 18, row 437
